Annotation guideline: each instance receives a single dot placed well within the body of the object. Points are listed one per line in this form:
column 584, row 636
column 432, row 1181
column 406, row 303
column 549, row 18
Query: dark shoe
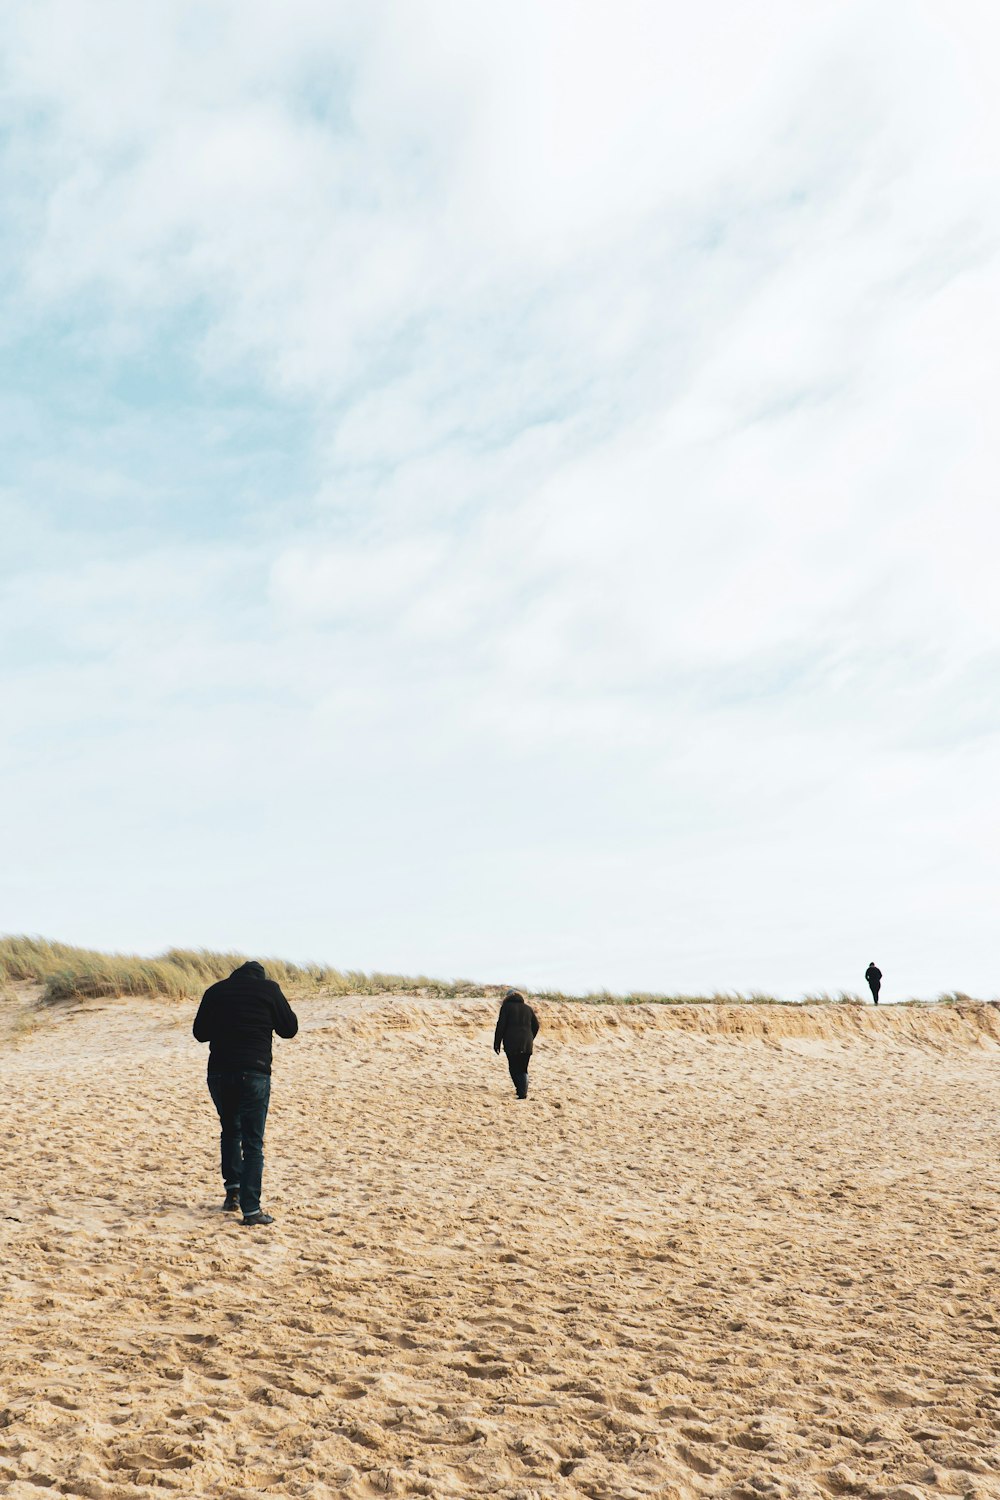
column 232, row 1203
column 258, row 1218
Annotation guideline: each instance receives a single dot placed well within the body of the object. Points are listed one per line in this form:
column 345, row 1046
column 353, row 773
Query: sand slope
column 730, row 1252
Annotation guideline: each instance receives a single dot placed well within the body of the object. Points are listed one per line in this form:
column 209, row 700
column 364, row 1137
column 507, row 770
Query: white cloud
column 643, row 603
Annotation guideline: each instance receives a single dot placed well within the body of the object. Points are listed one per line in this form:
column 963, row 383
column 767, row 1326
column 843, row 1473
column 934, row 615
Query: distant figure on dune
column 517, row 1027
column 874, row 978
column 237, row 1017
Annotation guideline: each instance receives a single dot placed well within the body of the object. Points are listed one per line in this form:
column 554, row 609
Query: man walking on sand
column 237, row 1017
column 517, row 1027
column 874, row 978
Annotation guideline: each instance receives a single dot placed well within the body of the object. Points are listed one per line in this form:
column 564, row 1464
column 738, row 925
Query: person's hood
column 250, row 970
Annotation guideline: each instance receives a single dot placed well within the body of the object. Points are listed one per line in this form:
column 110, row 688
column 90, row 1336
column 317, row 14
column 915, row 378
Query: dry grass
column 69, row 973
column 844, row 998
column 643, row 997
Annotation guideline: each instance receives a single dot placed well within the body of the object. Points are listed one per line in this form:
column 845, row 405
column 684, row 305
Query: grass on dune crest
column 643, row 997
column 69, row 973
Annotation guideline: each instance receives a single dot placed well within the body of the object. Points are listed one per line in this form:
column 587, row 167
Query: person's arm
column 202, row 1028
column 534, row 1024
column 286, row 1022
column 498, row 1034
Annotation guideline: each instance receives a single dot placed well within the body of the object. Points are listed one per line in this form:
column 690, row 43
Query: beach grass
column 68, row 973
column 71, row 973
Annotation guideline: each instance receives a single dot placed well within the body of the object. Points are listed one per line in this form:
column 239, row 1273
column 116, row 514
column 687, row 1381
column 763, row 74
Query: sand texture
column 719, row 1252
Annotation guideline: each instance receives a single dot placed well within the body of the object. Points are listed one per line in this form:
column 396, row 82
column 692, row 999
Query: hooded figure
column 237, row 1017
column 517, row 1027
column 874, row 978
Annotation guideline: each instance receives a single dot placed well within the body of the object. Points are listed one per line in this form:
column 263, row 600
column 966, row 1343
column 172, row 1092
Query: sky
column 505, row 492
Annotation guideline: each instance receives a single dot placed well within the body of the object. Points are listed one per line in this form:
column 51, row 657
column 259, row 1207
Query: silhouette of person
column 517, row 1027
column 874, row 978
column 238, row 1016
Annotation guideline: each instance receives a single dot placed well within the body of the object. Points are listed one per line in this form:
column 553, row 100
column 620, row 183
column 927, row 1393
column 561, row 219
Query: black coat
column 238, row 1016
column 517, row 1027
column 873, row 975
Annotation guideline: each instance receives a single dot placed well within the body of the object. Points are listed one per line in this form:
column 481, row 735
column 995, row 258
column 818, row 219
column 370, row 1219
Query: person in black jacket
column 874, row 978
column 237, row 1017
column 517, row 1027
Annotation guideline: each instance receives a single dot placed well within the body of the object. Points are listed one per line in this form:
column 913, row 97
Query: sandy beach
column 720, row 1251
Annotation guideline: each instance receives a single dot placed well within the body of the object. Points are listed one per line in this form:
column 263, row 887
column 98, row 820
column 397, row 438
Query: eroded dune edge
column 925, row 1025
column 721, row 1251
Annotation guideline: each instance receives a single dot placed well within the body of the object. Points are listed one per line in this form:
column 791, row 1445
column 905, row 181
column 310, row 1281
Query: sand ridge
column 716, row 1253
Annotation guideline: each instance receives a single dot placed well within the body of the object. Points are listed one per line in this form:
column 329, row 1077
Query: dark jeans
column 242, row 1100
column 517, row 1065
column 875, row 989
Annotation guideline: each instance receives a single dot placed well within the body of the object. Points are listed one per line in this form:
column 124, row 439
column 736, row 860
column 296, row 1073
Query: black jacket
column 238, row 1015
column 873, row 975
column 517, row 1027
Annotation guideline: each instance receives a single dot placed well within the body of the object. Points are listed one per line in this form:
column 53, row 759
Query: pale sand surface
column 726, row 1252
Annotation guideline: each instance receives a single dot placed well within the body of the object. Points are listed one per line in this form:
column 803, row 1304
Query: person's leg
column 517, row 1066
column 255, row 1094
column 875, row 989
column 225, row 1091
column 512, row 1067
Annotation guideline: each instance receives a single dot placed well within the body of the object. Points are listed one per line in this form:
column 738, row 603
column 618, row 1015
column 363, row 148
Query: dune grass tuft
column 844, row 998
column 69, row 973
column 643, row 997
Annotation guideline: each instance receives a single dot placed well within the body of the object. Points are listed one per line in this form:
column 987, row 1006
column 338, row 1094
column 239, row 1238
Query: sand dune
column 722, row 1251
